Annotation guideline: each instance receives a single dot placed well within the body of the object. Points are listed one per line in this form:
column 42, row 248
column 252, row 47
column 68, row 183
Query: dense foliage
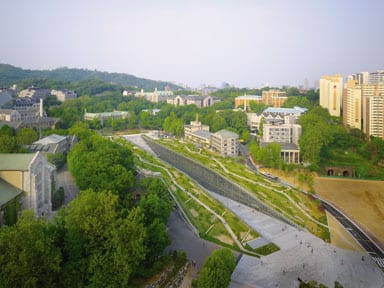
column 102, row 238
column 269, row 155
column 326, row 142
column 217, row 270
column 12, row 141
column 10, row 75
column 100, row 164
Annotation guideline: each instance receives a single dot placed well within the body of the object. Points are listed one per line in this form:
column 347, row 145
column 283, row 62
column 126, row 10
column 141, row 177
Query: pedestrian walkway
column 302, row 256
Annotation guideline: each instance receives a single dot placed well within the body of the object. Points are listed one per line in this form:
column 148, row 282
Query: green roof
column 15, row 161
column 7, row 192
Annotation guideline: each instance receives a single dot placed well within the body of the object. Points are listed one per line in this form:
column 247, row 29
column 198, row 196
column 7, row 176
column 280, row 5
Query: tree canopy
column 217, row 270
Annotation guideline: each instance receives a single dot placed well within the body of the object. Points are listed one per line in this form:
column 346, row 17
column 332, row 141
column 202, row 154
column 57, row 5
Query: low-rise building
column 198, row 100
column 194, row 127
column 287, row 115
column 225, row 142
column 245, row 100
column 105, row 115
column 285, row 133
column 9, row 115
column 155, row 96
column 64, row 94
column 34, row 92
column 27, row 117
column 53, row 144
column 31, row 174
column 274, row 97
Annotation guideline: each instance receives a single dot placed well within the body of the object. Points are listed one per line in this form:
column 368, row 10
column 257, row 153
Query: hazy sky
column 243, row 42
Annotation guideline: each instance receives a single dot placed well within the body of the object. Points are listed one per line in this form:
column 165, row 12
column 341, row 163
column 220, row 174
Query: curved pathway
column 222, row 220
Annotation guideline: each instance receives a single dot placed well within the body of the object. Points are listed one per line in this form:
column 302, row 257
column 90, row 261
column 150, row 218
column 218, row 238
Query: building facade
column 34, row 92
column 352, row 105
column 32, row 174
column 198, row 100
column 373, row 110
column 364, row 108
column 274, row 98
column 281, row 133
column 245, row 100
column 194, row 127
column 331, row 92
column 64, row 94
column 376, row 78
column 271, row 114
column 226, row 143
column 155, row 96
column 102, row 116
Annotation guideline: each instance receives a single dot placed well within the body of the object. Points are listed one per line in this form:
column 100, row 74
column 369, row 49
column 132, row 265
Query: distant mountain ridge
column 10, row 75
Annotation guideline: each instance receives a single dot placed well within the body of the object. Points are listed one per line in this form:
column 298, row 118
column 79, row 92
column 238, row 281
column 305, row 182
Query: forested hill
column 10, row 75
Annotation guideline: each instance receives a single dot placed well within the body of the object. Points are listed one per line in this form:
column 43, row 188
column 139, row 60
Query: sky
column 246, row 43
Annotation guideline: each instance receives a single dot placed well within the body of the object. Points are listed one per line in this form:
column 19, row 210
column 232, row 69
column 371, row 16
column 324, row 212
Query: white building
column 280, row 127
column 105, row 115
column 64, row 94
column 287, row 115
column 193, row 127
column 154, row 96
column 331, row 92
column 376, row 77
column 198, row 100
column 225, row 142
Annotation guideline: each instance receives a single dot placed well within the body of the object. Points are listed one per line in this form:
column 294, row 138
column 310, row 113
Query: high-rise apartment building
column 352, row 105
column 361, row 78
column 373, row 110
column 331, row 91
column 364, row 108
column 376, row 77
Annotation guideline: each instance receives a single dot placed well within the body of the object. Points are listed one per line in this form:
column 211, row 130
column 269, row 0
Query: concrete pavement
column 302, row 256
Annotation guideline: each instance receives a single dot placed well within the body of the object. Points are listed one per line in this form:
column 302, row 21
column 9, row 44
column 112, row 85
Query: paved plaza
column 302, row 256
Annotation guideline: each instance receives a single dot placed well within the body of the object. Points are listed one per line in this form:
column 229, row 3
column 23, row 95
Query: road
column 375, row 252
column 65, row 180
column 369, row 245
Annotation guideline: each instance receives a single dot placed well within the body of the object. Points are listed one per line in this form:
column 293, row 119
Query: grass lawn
column 288, row 202
column 204, row 221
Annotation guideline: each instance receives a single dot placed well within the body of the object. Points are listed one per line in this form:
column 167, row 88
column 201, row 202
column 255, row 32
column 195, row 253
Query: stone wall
column 176, row 280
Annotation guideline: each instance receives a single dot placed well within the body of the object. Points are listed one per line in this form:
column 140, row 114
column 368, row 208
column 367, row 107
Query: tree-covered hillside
column 10, row 75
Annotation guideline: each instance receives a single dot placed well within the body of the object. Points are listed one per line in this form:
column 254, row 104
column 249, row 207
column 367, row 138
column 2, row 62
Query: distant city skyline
column 244, row 43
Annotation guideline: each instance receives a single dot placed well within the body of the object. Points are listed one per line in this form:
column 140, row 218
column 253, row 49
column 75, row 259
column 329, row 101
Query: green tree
column 102, row 249
column 58, row 159
column 268, row 155
column 6, row 130
column 101, row 164
column 217, row 269
column 8, row 144
column 257, row 107
column 29, row 257
column 217, row 123
column 26, row 136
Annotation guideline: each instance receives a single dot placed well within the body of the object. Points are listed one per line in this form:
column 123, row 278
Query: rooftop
column 227, row 134
column 203, row 134
column 51, row 139
column 15, row 161
column 7, row 192
column 254, row 97
column 294, row 110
